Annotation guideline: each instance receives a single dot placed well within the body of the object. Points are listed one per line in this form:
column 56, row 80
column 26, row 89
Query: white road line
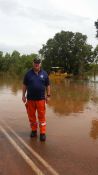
column 45, row 163
column 22, row 153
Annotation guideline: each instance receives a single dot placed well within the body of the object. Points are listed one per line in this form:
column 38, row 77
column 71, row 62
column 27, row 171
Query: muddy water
column 72, row 122
column 70, row 100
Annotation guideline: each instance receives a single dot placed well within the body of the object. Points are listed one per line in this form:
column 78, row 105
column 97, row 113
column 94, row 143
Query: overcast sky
column 27, row 24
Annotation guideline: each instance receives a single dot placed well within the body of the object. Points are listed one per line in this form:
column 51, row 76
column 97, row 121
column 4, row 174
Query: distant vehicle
column 58, row 72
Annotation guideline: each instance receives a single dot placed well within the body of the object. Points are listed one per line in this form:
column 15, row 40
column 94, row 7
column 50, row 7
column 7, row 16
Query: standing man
column 36, row 91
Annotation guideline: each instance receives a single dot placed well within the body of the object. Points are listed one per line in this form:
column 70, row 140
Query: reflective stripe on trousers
column 36, row 105
column 42, row 124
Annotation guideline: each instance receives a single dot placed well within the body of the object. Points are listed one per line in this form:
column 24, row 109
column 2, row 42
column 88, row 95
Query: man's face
column 37, row 66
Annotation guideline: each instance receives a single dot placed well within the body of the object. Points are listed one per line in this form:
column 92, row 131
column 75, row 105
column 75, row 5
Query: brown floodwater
column 72, row 123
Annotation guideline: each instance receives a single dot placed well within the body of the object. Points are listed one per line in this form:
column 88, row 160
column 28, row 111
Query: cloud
column 9, row 6
column 25, row 22
column 50, row 15
column 23, row 49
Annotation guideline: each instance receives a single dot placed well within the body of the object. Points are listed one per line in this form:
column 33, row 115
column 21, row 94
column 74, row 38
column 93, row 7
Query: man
column 37, row 87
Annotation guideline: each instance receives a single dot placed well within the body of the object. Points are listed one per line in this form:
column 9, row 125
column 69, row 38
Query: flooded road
column 72, row 131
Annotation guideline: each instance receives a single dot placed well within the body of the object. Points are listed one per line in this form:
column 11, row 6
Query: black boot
column 42, row 137
column 33, row 134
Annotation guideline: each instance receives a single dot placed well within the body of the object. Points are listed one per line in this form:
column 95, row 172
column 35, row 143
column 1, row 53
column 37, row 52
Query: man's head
column 37, row 60
column 37, row 64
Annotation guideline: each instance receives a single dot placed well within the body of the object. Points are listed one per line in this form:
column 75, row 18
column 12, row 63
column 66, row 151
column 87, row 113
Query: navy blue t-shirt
column 36, row 84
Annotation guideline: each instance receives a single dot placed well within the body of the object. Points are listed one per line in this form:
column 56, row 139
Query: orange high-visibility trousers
column 36, row 105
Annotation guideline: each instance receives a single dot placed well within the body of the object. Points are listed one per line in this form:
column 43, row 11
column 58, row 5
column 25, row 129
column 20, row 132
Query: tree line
column 15, row 64
column 66, row 49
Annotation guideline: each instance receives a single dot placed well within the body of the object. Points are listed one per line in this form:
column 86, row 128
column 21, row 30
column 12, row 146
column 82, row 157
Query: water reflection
column 69, row 96
column 94, row 129
column 14, row 84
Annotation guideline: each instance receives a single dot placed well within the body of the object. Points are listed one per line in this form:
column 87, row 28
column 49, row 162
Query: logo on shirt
column 42, row 76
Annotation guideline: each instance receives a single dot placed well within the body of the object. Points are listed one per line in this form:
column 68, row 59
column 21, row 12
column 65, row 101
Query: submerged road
column 24, row 155
column 71, row 147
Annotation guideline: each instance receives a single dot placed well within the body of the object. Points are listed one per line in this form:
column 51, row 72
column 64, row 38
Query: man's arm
column 24, row 89
column 48, row 91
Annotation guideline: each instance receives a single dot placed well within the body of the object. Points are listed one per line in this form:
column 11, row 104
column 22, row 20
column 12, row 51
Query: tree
column 68, row 50
column 15, row 56
column 6, row 62
column 96, row 25
column 15, row 64
column 1, row 54
column 96, row 54
column 1, row 60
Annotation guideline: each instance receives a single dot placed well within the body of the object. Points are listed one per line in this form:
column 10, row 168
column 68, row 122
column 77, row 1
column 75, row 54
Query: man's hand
column 24, row 89
column 47, row 99
column 24, row 99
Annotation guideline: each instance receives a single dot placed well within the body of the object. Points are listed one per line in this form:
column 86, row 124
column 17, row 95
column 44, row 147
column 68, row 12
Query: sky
column 25, row 25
